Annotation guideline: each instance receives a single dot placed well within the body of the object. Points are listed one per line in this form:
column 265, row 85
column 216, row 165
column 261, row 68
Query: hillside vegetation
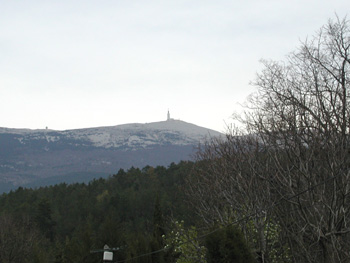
column 64, row 222
column 31, row 158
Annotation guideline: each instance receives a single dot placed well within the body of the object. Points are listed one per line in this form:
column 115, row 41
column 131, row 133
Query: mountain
column 42, row 157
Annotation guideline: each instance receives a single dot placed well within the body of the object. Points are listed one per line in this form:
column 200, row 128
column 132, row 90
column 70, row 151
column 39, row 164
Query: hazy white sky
column 78, row 64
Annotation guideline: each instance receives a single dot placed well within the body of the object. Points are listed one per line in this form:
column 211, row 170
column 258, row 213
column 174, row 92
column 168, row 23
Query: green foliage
column 277, row 252
column 184, row 244
column 121, row 211
column 21, row 241
column 43, row 218
column 228, row 245
column 157, row 242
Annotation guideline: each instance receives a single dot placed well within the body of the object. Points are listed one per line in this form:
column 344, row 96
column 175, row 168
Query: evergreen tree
column 157, row 242
column 227, row 245
column 44, row 219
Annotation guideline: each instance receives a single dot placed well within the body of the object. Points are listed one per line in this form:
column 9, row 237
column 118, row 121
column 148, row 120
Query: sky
column 77, row 64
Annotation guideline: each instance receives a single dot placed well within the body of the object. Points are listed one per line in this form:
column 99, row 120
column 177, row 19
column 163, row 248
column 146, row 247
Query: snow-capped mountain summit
column 31, row 155
column 127, row 136
column 141, row 136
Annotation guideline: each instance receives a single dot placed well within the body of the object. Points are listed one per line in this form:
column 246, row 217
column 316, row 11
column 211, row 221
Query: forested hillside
column 32, row 158
column 64, row 222
column 145, row 214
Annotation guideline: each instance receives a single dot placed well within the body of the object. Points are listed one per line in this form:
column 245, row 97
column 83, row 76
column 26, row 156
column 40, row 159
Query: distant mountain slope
column 34, row 156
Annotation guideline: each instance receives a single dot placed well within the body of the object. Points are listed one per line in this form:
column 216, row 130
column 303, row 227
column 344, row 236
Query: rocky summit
column 43, row 157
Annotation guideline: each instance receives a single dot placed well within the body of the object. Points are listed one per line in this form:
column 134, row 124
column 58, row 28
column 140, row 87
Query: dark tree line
column 132, row 210
column 63, row 223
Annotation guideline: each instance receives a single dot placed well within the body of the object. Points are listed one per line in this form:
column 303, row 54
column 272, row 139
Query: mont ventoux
column 32, row 158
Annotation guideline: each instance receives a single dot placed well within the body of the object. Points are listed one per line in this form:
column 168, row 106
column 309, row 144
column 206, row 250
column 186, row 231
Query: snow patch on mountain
column 128, row 136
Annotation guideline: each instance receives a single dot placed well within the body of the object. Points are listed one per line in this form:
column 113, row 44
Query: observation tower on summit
column 168, row 116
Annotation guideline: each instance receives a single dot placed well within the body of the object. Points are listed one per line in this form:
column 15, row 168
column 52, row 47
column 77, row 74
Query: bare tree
column 301, row 113
column 230, row 183
column 292, row 166
column 18, row 239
